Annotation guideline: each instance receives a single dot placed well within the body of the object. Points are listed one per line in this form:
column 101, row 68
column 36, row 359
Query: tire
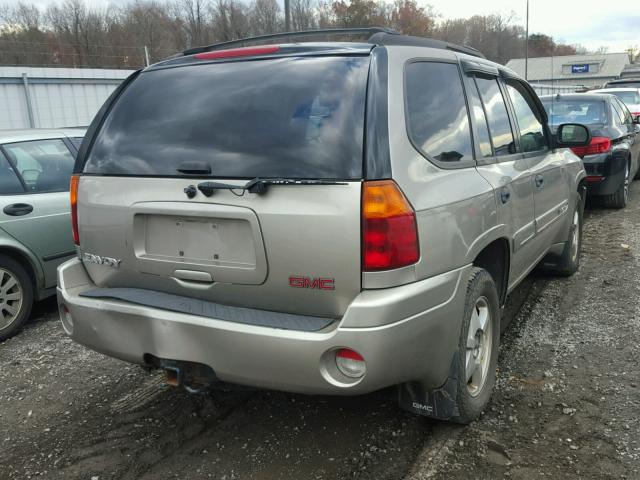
column 477, row 350
column 569, row 261
column 620, row 197
column 16, row 296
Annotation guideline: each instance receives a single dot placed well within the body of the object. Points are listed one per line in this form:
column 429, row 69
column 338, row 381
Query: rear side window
column 619, row 112
column 77, row 141
column 9, row 182
column 288, row 117
column 437, row 116
column 44, row 165
column 532, row 136
column 625, row 112
column 497, row 115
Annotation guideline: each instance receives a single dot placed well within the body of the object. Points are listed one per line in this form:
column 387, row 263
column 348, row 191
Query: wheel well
column 494, row 258
column 24, row 261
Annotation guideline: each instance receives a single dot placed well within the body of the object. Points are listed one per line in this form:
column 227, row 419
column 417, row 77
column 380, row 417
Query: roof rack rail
column 381, row 38
column 375, row 35
column 368, row 31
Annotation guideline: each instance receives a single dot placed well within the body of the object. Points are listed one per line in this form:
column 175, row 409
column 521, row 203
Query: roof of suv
column 26, row 134
column 578, row 96
column 252, row 46
column 619, row 89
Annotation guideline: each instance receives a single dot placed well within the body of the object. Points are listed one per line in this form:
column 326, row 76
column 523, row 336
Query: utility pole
column 287, row 16
column 526, row 47
column 146, row 55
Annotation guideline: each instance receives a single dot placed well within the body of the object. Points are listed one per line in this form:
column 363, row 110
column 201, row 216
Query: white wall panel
column 60, row 97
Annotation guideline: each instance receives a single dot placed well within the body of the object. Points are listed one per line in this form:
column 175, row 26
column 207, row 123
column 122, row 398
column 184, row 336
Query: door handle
column 18, row 209
column 505, row 195
column 539, row 181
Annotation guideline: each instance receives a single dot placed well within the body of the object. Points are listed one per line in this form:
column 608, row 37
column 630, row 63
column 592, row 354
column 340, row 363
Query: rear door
column 293, row 248
column 550, row 183
column 505, row 168
column 38, row 217
column 631, row 133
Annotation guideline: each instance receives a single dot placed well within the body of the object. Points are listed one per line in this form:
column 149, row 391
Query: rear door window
column 295, row 117
column 44, row 165
column 436, row 111
column 9, row 182
column 480, row 120
column 499, row 124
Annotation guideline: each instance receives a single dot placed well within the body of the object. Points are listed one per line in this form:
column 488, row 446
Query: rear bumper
column 605, row 173
column 418, row 345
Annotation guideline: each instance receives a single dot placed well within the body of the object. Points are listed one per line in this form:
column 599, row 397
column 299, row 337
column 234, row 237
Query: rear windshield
column 288, row 117
column 629, row 84
column 587, row 112
column 628, row 98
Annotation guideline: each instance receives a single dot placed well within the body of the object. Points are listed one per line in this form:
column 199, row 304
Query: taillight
column 237, row 52
column 73, row 194
column 597, row 145
column 389, row 232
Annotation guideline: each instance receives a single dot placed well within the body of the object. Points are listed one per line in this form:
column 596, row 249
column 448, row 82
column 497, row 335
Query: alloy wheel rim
column 11, row 298
column 479, row 343
column 575, row 238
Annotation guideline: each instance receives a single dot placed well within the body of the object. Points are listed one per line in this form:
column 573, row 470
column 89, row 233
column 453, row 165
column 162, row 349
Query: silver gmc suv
column 324, row 218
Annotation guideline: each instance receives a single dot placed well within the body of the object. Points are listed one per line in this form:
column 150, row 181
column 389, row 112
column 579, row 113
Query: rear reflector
column 597, row 145
column 350, row 363
column 389, row 232
column 73, row 194
column 237, row 52
column 595, row 178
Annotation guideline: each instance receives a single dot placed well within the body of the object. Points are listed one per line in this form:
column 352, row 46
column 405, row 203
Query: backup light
column 350, row 363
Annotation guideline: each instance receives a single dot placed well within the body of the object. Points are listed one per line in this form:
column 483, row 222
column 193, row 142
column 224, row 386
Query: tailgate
column 293, row 249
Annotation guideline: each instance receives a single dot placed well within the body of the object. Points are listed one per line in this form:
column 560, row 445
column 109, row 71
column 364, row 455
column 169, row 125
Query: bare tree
column 75, row 33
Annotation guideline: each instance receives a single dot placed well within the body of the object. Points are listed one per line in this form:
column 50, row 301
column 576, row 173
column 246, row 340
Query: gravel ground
column 566, row 404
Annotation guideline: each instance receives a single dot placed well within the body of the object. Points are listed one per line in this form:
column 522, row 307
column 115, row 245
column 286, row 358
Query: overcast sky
column 592, row 23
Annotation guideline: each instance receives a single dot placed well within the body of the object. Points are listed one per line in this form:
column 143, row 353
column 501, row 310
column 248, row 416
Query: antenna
column 526, row 46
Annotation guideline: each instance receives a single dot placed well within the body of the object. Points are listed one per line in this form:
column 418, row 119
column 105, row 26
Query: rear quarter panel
column 456, row 209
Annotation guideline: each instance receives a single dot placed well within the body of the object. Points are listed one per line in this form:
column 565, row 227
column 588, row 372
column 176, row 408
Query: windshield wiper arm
column 259, row 185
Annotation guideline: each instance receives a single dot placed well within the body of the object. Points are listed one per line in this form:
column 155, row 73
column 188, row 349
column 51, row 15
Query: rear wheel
column 620, row 197
column 478, row 347
column 16, row 296
column 569, row 261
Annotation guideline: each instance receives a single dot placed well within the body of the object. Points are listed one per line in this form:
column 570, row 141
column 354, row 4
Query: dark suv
column 328, row 218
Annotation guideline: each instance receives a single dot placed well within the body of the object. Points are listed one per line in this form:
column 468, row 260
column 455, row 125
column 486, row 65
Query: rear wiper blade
column 259, row 185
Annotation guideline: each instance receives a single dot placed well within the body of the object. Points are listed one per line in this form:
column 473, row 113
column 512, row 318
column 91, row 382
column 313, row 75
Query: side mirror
column 572, row 135
column 636, row 119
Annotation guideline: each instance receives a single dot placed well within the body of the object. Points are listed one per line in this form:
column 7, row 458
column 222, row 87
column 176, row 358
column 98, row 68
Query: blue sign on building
column 584, row 68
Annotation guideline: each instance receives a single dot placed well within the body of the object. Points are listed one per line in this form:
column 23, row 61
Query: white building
column 576, row 70
column 54, row 97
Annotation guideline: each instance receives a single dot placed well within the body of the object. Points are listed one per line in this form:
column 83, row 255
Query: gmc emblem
column 307, row 282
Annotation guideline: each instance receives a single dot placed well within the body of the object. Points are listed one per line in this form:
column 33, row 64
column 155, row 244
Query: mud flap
column 437, row 403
